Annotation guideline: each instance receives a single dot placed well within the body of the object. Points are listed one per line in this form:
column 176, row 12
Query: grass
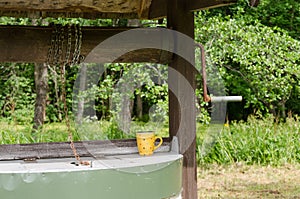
column 21, row 134
column 244, row 181
column 254, row 159
column 257, row 141
column 11, row 133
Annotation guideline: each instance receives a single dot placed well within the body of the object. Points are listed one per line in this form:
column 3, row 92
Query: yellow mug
column 146, row 142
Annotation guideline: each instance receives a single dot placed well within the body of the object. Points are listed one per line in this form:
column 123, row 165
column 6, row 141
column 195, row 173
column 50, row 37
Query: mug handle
column 160, row 142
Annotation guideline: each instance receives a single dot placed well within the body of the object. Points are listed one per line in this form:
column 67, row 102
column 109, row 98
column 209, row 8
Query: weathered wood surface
column 182, row 116
column 130, row 9
column 31, row 44
column 50, row 150
column 73, row 8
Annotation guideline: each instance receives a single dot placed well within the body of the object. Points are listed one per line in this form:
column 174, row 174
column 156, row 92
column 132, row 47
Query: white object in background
column 226, row 99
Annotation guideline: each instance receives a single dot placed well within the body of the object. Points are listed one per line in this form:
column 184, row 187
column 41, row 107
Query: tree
column 16, row 94
column 284, row 14
column 258, row 62
column 41, row 87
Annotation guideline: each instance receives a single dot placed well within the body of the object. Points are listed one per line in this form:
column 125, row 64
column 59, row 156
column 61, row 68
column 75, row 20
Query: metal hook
column 206, row 97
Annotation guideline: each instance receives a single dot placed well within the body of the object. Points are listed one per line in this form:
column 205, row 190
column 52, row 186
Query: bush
column 258, row 62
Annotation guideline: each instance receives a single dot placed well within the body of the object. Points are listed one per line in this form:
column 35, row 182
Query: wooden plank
column 158, row 9
column 145, row 9
column 31, row 44
column 73, row 8
column 121, row 6
column 95, row 9
column 50, row 150
column 84, row 15
column 182, row 20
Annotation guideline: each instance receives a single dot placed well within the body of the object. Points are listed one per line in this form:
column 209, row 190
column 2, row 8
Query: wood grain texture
column 72, row 5
column 73, row 8
column 93, row 9
column 182, row 120
column 63, row 150
column 31, row 44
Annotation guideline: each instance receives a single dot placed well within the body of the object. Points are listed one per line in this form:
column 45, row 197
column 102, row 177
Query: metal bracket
column 175, row 145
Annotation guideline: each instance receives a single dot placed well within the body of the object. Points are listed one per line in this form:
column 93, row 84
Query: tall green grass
column 12, row 133
column 257, row 141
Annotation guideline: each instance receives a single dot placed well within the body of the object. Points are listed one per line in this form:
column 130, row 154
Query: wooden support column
column 182, row 20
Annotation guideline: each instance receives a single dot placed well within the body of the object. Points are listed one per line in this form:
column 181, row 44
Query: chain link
column 61, row 45
column 79, row 44
column 75, row 45
column 58, row 52
column 50, row 50
column 57, row 59
column 69, row 46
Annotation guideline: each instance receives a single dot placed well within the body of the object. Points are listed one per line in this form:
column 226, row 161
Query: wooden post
column 182, row 20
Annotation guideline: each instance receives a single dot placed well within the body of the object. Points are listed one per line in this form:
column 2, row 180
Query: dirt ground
column 240, row 181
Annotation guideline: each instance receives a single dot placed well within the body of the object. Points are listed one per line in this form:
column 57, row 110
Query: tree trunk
column 82, row 88
column 139, row 107
column 54, row 76
column 41, row 86
column 125, row 113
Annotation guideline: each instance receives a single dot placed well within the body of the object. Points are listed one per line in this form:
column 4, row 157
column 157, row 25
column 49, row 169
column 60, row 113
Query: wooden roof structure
column 15, row 40
column 38, row 37
column 129, row 9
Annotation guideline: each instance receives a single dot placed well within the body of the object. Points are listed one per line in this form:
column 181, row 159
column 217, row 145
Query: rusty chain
column 69, row 46
column 55, row 58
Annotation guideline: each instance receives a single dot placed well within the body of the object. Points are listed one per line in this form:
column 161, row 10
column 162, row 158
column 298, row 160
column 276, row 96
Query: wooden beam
column 95, row 9
column 181, row 20
column 158, row 9
column 31, row 44
column 51, row 150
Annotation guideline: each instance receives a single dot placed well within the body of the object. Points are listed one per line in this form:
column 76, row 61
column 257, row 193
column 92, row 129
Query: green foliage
column 59, row 20
column 255, row 61
column 57, row 132
column 147, row 81
column 21, row 134
column 55, row 107
column 113, row 132
column 284, row 14
column 203, row 115
column 293, row 105
column 16, row 94
column 257, row 141
column 256, row 51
